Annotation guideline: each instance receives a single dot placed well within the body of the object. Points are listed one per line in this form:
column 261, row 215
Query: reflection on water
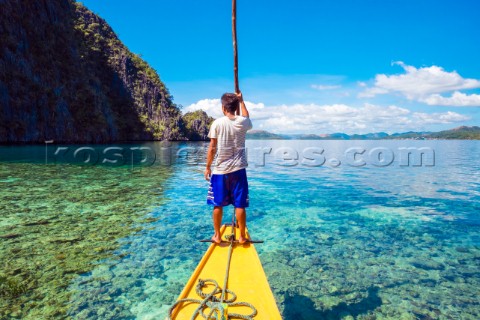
column 341, row 241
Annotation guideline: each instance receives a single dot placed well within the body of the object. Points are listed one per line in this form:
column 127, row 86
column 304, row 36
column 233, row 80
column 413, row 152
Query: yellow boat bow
column 246, row 279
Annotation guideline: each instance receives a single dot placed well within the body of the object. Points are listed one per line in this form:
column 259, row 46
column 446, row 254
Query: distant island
column 460, row 133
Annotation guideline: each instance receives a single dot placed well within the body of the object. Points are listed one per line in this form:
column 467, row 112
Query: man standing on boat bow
column 228, row 181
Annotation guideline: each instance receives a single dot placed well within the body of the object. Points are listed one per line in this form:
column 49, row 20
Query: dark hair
column 230, row 102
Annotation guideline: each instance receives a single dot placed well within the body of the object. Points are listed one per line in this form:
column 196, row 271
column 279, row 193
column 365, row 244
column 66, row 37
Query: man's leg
column 217, row 221
column 241, row 215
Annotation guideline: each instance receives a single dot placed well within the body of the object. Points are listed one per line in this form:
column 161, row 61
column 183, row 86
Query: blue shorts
column 229, row 188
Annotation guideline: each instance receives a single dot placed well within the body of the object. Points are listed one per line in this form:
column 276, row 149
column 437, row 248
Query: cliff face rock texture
column 197, row 125
column 65, row 76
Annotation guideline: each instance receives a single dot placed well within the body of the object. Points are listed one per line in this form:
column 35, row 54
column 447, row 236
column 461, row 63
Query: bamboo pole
column 235, row 54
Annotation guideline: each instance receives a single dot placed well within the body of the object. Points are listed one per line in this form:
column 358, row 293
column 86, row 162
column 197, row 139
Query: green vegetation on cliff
column 65, row 76
column 197, row 125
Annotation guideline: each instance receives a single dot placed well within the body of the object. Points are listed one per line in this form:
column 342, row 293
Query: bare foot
column 217, row 239
column 242, row 240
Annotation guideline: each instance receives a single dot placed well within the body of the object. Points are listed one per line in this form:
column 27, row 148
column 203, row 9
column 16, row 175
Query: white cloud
column 425, row 84
column 362, row 84
column 372, row 92
column 439, row 118
column 322, row 87
column 318, row 119
column 213, row 107
column 458, row 99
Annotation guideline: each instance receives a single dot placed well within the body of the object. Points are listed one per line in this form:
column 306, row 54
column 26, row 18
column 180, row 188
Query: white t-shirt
column 230, row 134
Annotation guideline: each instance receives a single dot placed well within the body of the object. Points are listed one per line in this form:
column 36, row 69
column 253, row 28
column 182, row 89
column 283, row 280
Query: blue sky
column 315, row 66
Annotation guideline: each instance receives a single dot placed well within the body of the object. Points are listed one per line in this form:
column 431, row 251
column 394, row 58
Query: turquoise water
column 378, row 241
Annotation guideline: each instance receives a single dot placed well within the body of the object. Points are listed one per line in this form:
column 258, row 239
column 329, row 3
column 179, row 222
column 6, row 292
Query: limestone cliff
column 65, row 76
column 197, row 125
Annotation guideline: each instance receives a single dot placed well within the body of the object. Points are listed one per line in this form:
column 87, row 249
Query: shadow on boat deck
column 298, row 307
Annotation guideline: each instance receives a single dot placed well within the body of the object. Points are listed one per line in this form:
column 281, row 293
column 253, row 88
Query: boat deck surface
column 246, row 279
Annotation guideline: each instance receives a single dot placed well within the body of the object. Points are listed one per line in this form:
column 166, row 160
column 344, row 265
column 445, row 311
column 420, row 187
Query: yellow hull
column 246, row 279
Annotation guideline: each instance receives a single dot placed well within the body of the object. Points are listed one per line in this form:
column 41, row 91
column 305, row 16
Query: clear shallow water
column 370, row 242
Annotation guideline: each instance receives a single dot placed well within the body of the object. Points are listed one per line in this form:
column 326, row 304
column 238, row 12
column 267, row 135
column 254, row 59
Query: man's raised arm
column 243, row 108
